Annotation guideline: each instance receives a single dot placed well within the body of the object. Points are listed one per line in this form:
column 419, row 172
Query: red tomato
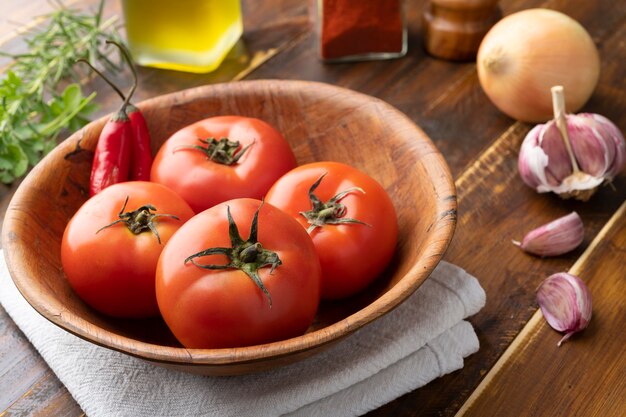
column 112, row 269
column 352, row 254
column 217, row 308
column 203, row 181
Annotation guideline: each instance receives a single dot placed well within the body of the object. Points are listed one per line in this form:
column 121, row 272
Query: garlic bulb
column 565, row 302
column 555, row 238
column 572, row 154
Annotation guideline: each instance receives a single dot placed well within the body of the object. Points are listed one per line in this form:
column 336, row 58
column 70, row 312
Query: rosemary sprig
column 40, row 93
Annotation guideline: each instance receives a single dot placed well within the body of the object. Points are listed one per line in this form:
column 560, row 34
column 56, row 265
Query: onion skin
column 528, row 52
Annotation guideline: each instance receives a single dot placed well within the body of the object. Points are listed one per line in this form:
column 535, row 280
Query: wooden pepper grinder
column 453, row 29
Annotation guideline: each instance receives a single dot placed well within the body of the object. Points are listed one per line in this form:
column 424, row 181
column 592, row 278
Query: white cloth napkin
column 423, row 339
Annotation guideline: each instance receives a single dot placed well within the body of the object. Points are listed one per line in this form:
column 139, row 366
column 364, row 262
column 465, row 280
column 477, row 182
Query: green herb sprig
column 40, row 93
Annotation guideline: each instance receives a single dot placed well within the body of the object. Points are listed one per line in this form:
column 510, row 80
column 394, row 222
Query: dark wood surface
column 596, row 356
column 479, row 143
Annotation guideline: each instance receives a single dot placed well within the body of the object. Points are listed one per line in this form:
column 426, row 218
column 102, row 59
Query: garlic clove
column 565, row 302
column 612, row 133
column 560, row 166
column 532, row 160
column 572, row 155
column 555, row 238
column 594, row 152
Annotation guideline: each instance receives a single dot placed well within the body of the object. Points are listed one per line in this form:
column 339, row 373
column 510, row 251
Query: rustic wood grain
column 266, row 33
column 19, row 19
column 13, row 361
column 445, row 99
column 319, row 121
column 28, row 386
column 18, row 16
column 583, row 377
column 431, row 92
column 482, row 246
column 494, row 207
column 46, row 397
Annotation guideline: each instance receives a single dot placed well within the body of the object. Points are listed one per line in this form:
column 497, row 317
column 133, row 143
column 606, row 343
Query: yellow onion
column 528, row 52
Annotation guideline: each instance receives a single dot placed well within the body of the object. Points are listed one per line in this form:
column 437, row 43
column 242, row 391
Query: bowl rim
column 436, row 245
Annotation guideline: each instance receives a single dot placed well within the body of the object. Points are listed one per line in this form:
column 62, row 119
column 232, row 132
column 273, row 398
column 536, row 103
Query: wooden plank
column 442, row 97
column 29, row 387
column 266, row 34
column 585, row 376
column 494, row 207
column 32, row 388
column 13, row 361
column 48, row 397
column 19, row 18
column 446, row 101
column 16, row 16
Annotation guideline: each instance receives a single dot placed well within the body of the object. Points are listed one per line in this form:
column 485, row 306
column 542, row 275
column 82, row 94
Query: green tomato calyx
column 223, row 151
column 246, row 255
column 330, row 212
column 140, row 220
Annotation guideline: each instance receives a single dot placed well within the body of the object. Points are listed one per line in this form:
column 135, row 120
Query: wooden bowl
column 321, row 122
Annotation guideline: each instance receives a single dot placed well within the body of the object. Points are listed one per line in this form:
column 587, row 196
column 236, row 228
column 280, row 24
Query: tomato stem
column 222, row 151
column 140, row 220
column 246, row 255
column 331, row 212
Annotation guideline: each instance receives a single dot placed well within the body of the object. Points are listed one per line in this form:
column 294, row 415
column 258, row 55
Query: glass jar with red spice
column 356, row 30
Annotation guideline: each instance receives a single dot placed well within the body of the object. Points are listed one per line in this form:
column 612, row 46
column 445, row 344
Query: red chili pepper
column 141, row 161
column 111, row 162
column 140, row 151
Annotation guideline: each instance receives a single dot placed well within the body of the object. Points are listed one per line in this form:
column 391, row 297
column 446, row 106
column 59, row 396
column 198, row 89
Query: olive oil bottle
column 183, row 35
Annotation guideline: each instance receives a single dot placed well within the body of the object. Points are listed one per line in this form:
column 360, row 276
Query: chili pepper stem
column 104, row 77
column 129, row 61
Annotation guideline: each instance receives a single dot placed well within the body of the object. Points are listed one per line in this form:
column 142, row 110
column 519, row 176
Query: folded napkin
column 424, row 338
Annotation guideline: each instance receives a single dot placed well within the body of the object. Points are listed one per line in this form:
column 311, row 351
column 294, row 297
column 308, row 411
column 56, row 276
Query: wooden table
column 519, row 370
